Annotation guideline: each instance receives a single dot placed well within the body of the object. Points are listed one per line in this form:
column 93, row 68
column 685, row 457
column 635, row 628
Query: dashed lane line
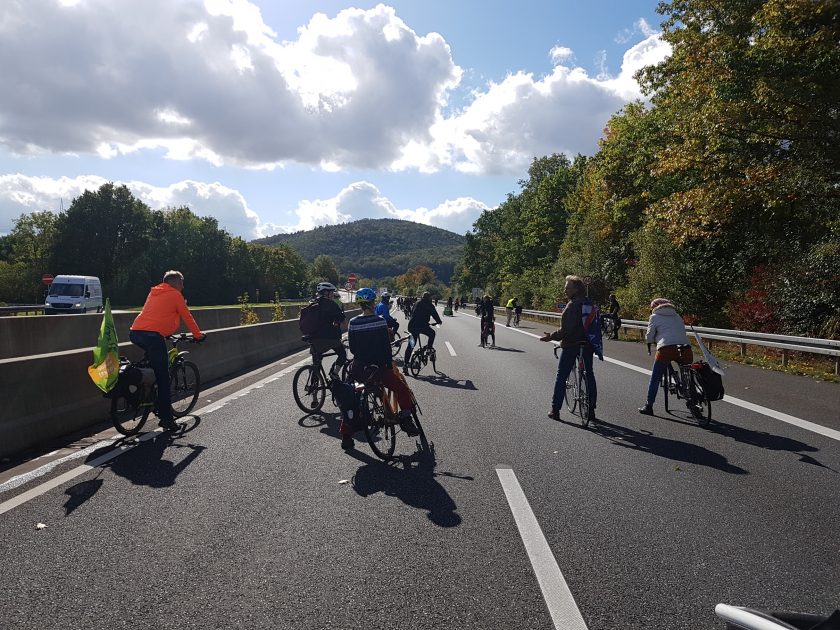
column 813, row 427
column 450, row 348
column 558, row 598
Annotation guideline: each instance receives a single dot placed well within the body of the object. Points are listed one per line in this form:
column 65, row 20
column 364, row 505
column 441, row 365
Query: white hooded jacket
column 666, row 327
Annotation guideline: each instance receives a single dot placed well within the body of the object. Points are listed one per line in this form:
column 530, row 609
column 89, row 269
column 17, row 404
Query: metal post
column 837, row 365
column 743, row 349
column 784, row 357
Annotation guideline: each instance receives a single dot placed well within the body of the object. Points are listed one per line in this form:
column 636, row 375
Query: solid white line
column 450, row 348
column 22, row 498
column 561, row 604
column 738, row 402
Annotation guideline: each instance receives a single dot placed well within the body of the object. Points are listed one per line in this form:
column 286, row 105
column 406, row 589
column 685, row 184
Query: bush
column 247, row 315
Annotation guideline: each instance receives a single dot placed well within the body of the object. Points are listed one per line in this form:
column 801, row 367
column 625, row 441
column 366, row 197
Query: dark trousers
column 415, row 332
column 155, row 346
column 568, row 356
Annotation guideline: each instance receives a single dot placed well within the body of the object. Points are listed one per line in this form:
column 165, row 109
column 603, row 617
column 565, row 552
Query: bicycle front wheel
column 309, row 389
column 185, row 385
column 380, row 432
column 583, row 399
column 572, row 391
column 129, row 413
column 415, row 365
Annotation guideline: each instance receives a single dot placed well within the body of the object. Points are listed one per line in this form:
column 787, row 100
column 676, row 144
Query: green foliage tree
column 324, row 270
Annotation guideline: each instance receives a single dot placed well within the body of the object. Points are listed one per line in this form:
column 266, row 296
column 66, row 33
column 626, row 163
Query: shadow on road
column 763, row 439
column 502, row 349
column 412, row 480
column 145, row 466
column 676, row 450
column 441, row 379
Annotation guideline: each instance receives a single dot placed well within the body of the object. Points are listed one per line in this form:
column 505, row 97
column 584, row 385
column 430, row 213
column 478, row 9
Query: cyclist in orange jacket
column 162, row 313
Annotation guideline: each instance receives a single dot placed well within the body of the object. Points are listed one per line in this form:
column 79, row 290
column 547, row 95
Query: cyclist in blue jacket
column 383, row 309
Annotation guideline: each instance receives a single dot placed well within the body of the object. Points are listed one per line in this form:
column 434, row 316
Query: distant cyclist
column 615, row 309
column 509, row 308
column 487, row 312
column 370, row 345
column 572, row 335
column 162, row 313
column 667, row 330
column 422, row 312
column 328, row 335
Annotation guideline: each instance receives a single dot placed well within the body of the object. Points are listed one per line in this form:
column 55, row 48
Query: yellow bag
column 106, row 355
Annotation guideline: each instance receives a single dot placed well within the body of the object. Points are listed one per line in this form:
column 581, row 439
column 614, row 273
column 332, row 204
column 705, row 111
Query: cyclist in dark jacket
column 328, row 335
column 423, row 311
column 487, row 312
column 571, row 336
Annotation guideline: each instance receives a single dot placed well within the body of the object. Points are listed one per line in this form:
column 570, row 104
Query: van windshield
column 70, row 290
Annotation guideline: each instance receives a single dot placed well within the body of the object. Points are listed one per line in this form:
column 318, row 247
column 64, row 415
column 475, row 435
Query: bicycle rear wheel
column 700, row 405
column 381, row 434
column 572, row 391
column 185, row 385
column 309, row 389
column 129, row 413
column 583, row 399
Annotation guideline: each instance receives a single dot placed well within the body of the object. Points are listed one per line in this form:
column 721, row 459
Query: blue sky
column 277, row 116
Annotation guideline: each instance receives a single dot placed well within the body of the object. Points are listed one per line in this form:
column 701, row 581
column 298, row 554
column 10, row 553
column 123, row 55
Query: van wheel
column 84, row 310
column 98, row 309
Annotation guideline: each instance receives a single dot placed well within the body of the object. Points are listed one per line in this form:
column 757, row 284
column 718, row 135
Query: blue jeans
column 155, row 346
column 568, row 356
column 659, row 368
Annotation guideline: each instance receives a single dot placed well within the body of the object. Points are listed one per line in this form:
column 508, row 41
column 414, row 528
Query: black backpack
column 710, row 381
column 310, row 318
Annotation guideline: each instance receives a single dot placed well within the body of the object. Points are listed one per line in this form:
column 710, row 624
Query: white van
column 74, row 294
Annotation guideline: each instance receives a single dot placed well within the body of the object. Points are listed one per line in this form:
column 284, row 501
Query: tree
column 324, row 270
column 27, row 250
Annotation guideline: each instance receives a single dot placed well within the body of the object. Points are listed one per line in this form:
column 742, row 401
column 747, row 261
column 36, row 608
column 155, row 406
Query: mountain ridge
column 377, row 248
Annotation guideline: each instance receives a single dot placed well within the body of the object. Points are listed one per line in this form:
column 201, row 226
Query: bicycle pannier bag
column 710, row 380
column 310, row 318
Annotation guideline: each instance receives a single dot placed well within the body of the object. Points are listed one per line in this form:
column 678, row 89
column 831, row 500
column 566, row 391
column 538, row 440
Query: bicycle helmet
column 386, row 296
column 325, row 286
column 365, row 295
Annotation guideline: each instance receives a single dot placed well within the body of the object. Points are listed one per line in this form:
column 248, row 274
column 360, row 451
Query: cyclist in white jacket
column 667, row 330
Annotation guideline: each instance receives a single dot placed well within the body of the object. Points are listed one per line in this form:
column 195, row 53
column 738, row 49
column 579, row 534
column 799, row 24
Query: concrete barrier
column 25, row 336
column 47, row 396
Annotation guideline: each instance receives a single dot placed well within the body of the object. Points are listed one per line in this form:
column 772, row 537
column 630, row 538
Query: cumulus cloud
column 363, row 200
column 211, row 81
column 22, row 194
column 523, row 117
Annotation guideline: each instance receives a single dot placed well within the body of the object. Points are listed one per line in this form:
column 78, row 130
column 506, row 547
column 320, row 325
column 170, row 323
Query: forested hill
column 377, row 248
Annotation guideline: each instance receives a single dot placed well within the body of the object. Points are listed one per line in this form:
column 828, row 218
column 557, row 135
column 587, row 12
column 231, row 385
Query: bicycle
column 133, row 399
column 607, row 327
column 577, row 388
column 376, row 407
column 396, row 344
column 685, row 384
column 421, row 356
column 516, row 316
column 310, row 383
column 488, row 329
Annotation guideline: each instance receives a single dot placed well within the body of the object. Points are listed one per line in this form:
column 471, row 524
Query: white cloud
column 523, row 117
column 561, row 53
column 22, row 194
column 363, row 200
column 351, row 90
column 212, row 81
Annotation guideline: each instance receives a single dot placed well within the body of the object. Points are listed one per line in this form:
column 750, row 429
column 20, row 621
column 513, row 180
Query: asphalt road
column 255, row 518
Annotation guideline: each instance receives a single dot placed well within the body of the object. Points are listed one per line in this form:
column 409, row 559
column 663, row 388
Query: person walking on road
column 571, row 336
column 162, row 313
column 667, row 330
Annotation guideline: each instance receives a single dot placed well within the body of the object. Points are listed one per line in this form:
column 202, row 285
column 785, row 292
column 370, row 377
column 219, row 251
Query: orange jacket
column 163, row 311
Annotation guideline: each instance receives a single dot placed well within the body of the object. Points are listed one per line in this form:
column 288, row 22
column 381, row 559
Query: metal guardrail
column 786, row 343
column 21, row 308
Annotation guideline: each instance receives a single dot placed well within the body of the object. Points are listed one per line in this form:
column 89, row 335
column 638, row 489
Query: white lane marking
column 738, row 402
column 22, row 498
column 561, row 604
column 450, row 348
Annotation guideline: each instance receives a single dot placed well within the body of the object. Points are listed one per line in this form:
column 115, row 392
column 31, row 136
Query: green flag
column 106, row 355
